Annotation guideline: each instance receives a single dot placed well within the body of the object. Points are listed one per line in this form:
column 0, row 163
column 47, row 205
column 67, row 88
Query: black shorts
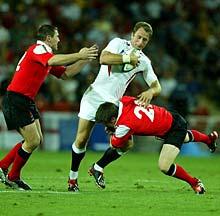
column 177, row 133
column 18, row 110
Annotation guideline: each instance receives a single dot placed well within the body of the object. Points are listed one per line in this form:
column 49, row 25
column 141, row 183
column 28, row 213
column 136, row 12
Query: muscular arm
column 66, row 59
column 108, row 58
column 145, row 97
column 73, row 69
column 155, row 88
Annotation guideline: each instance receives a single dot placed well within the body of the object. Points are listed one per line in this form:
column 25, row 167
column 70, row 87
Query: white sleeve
column 114, row 46
column 121, row 131
column 148, row 74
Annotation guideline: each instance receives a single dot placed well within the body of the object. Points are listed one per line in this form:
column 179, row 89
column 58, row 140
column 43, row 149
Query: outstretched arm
column 108, row 58
column 145, row 97
column 73, row 69
column 66, row 59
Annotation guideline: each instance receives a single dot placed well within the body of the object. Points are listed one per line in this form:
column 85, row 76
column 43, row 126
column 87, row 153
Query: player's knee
column 81, row 142
column 35, row 142
column 163, row 166
column 130, row 145
column 127, row 147
column 167, row 169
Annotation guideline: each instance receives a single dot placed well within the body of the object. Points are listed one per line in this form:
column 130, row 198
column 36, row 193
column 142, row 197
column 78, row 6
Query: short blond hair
column 146, row 26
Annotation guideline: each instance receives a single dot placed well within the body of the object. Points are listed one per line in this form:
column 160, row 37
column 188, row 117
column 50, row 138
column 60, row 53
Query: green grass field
column 135, row 186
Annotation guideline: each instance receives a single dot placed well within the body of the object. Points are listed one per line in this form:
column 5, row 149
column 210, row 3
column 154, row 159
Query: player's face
column 111, row 124
column 140, row 38
column 54, row 41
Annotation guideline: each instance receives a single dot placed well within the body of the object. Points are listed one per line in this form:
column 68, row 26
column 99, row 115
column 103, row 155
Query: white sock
column 73, row 175
column 98, row 168
column 77, row 150
column 121, row 152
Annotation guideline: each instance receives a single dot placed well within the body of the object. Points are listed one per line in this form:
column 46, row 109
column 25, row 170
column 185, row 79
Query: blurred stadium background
column 185, row 53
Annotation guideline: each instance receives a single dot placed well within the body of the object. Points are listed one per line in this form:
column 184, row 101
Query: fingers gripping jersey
column 137, row 120
column 112, row 81
column 32, row 70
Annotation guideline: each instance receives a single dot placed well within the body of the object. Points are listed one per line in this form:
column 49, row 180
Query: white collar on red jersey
column 119, row 110
column 48, row 48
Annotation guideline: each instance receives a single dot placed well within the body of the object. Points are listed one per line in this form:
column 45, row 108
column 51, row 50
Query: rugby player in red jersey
column 18, row 104
column 131, row 119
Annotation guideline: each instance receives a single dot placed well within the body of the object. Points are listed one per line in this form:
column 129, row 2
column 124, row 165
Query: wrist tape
column 126, row 58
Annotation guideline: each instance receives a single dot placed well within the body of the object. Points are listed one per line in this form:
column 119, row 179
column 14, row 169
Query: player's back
column 152, row 120
column 31, row 71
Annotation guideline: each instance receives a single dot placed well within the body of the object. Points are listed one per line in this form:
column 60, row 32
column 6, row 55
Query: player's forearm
column 64, row 59
column 107, row 58
column 155, row 88
column 74, row 69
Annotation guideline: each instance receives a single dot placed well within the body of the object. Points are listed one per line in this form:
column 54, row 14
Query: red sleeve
column 119, row 142
column 40, row 54
column 57, row 71
column 43, row 58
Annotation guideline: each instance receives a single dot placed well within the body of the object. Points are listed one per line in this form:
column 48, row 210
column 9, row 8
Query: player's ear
column 48, row 38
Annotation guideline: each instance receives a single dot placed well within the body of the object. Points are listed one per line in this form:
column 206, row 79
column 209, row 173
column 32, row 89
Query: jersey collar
column 119, row 110
column 48, row 48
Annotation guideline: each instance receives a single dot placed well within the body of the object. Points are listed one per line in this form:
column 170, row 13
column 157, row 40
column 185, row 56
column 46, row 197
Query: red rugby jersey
column 32, row 70
column 137, row 120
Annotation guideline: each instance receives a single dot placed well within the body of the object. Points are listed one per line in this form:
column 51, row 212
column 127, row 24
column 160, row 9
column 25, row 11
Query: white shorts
column 90, row 102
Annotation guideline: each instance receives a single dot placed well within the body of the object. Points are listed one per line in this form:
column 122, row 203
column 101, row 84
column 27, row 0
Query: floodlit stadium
column 61, row 60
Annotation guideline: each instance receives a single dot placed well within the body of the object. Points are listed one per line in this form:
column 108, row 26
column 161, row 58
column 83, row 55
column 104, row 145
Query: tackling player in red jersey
column 131, row 119
column 18, row 104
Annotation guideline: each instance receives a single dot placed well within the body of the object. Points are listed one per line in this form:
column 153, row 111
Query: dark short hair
column 146, row 26
column 105, row 112
column 44, row 31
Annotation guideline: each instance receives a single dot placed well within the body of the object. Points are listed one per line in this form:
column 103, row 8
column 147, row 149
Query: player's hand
column 145, row 98
column 89, row 53
column 134, row 56
column 134, row 60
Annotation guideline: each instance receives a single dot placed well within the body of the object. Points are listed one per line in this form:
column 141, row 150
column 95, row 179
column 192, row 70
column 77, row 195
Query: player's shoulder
column 117, row 39
column 37, row 48
column 120, row 40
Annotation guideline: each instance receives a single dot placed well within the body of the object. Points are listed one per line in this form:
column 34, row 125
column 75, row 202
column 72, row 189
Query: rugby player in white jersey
column 120, row 61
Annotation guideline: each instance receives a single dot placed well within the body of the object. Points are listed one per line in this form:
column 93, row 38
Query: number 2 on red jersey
column 148, row 111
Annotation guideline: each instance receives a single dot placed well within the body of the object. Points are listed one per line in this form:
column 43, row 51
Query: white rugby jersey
column 111, row 81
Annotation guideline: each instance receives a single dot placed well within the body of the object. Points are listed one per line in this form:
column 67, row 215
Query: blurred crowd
column 184, row 50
